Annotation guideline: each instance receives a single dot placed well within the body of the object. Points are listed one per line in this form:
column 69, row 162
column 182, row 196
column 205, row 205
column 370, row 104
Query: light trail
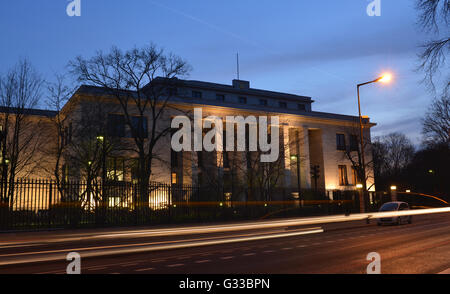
column 425, row 195
column 236, row 227
column 60, row 255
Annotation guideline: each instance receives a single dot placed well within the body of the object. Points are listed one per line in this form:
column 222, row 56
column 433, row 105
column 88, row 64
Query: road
column 417, row 248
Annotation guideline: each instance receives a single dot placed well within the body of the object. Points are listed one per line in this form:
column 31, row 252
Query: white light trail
column 57, row 255
column 233, row 227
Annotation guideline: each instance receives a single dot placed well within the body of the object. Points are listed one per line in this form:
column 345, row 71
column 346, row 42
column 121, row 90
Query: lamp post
column 297, row 160
column 384, row 79
column 102, row 140
column 104, row 196
column 393, row 193
column 4, row 163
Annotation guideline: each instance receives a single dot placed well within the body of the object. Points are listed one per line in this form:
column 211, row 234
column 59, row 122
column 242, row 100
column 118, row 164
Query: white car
column 394, row 206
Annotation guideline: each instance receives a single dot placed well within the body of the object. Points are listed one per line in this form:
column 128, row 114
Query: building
column 91, row 134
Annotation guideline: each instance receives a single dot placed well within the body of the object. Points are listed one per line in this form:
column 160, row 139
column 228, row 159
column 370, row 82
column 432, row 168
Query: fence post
column 50, row 203
column 169, row 194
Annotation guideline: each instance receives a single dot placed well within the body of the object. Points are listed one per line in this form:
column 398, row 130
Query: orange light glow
column 386, row 78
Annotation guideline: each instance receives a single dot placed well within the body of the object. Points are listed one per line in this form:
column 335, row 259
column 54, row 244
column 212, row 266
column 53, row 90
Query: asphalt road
column 422, row 247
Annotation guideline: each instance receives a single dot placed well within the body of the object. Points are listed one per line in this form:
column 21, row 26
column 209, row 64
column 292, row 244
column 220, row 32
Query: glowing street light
column 393, row 188
column 386, row 78
column 359, row 186
column 383, row 79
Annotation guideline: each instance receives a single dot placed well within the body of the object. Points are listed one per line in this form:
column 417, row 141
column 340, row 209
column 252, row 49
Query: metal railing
column 46, row 204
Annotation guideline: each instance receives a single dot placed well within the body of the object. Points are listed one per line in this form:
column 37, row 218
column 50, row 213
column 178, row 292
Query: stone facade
column 306, row 135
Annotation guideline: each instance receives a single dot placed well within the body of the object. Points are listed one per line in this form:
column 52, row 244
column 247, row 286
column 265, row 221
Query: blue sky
column 320, row 49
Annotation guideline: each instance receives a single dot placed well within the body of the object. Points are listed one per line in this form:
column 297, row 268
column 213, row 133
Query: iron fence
column 47, row 204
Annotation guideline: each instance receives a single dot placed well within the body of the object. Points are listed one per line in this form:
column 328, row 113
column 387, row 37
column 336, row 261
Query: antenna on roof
column 237, row 64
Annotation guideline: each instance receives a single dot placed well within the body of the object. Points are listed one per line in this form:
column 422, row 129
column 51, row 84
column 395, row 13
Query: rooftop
column 28, row 111
column 239, row 87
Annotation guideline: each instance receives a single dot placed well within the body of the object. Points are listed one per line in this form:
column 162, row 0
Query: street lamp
column 383, row 79
column 296, row 158
column 393, row 193
column 101, row 139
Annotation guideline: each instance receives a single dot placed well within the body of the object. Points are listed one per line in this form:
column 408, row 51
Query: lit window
column 174, row 178
column 343, row 180
column 115, row 168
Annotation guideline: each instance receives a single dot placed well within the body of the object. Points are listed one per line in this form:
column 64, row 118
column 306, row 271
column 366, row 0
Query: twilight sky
column 320, row 49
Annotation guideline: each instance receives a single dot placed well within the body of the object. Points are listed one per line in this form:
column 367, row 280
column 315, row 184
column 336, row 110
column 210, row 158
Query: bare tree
column 394, row 153
column 436, row 123
column 20, row 92
column 263, row 180
column 433, row 15
column 131, row 77
column 353, row 153
column 59, row 94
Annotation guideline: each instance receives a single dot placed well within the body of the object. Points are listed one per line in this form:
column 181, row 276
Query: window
column 301, row 107
column 65, row 173
column 340, row 141
column 115, row 168
column 243, row 100
column 343, row 180
column 66, row 136
column 174, row 179
column 173, row 158
column 403, row 206
column 69, row 135
column 283, row 104
column 353, row 143
column 263, row 102
column 172, row 91
column 139, row 126
column 220, row 97
column 200, row 159
column 173, row 153
column 116, row 125
column 354, row 176
column 225, row 155
column 134, row 164
column 197, row 94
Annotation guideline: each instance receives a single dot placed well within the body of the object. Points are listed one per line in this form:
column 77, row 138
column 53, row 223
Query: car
column 394, row 206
